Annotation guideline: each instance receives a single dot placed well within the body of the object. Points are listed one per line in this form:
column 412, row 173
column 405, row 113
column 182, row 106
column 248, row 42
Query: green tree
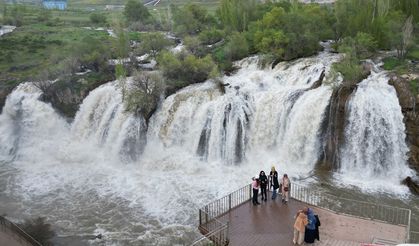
column 237, row 46
column 136, row 11
column 191, row 19
column 237, row 14
column 92, row 53
column 144, row 93
column 98, row 19
column 153, row 43
column 211, row 36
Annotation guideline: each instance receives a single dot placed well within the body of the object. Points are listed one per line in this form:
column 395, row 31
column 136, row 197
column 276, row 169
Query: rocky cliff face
column 410, row 107
column 333, row 126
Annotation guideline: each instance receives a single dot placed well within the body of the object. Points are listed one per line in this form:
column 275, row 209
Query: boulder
column 412, row 184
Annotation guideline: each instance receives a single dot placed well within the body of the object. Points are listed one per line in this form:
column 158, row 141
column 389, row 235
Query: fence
column 209, row 224
column 388, row 214
column 9, row 227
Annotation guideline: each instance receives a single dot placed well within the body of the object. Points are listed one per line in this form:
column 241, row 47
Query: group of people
column 262, row 181
column 306, row 226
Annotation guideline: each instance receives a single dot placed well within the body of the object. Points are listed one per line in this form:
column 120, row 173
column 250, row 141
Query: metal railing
column 414, row 237
column 10, row 227
column 209, row 225
column 373, row 211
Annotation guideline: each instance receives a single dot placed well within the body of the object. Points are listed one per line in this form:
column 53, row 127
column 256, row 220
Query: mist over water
column 106, row 172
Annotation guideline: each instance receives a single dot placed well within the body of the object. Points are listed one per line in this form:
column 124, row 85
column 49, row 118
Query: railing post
column 408, row 227
column 200, row 218
column 229, row 202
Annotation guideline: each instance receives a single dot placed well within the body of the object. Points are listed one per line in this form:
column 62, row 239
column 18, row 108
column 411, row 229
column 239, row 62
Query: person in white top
column 285, row 184
column 255, row 186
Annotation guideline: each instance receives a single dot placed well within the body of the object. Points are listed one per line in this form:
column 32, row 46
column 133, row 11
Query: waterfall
column 29, row 125
column 30, row 128
column 261, row 108
column 375, row 149
column 103, row 121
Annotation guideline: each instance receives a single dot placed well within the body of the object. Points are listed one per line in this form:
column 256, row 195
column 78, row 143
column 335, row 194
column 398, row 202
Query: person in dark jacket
column 310, row 234
column 273, row 176
column 263, row 181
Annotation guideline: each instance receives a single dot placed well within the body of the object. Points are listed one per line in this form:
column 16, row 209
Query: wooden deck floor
column 271, row 223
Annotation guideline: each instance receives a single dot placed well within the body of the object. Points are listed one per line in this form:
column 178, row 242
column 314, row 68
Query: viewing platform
column 234, row 220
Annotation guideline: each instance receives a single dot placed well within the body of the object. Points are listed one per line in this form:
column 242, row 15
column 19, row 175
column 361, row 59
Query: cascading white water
column 375, row 150
column 88, row 176
column 103, row 120
column 28, row 124
column 256, row 112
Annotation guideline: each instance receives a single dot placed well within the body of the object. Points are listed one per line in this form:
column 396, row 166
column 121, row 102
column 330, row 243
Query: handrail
column 210, row 226
column 18, row 231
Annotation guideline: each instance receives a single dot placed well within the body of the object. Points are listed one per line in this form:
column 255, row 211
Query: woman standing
column 285, row 184
column 263, row 179
column 299, row 227
column 273, row 176
column 255, row 186
column 310, row 233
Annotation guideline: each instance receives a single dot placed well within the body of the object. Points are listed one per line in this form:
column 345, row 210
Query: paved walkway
column 271, row 223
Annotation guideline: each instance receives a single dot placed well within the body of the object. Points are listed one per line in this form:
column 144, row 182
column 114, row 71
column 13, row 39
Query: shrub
column 237, row 47
column 98, row 19
column 184, row 69
column 210, row 36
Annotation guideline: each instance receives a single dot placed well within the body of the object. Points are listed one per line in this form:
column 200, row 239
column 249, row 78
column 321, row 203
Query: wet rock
column 412, row 184
column 319, row 82
column 4, row 91
column 333, row 127
column 410, row 106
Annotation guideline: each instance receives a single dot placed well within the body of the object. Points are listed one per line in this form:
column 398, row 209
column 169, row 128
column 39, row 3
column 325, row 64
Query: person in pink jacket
column 300, row 226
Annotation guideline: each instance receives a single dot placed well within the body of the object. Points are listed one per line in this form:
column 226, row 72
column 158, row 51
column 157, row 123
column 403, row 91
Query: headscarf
column 311, row 219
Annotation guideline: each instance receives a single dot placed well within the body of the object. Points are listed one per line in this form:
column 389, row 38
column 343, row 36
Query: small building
column 55, row 4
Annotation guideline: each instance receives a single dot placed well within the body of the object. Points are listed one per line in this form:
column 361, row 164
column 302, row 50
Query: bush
column 98, row 19
column 210, row 36
column 237, row 47
column 350, row 69
column 184, row 69
column 136, row 11
column 153, row 43
column 391, row 63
